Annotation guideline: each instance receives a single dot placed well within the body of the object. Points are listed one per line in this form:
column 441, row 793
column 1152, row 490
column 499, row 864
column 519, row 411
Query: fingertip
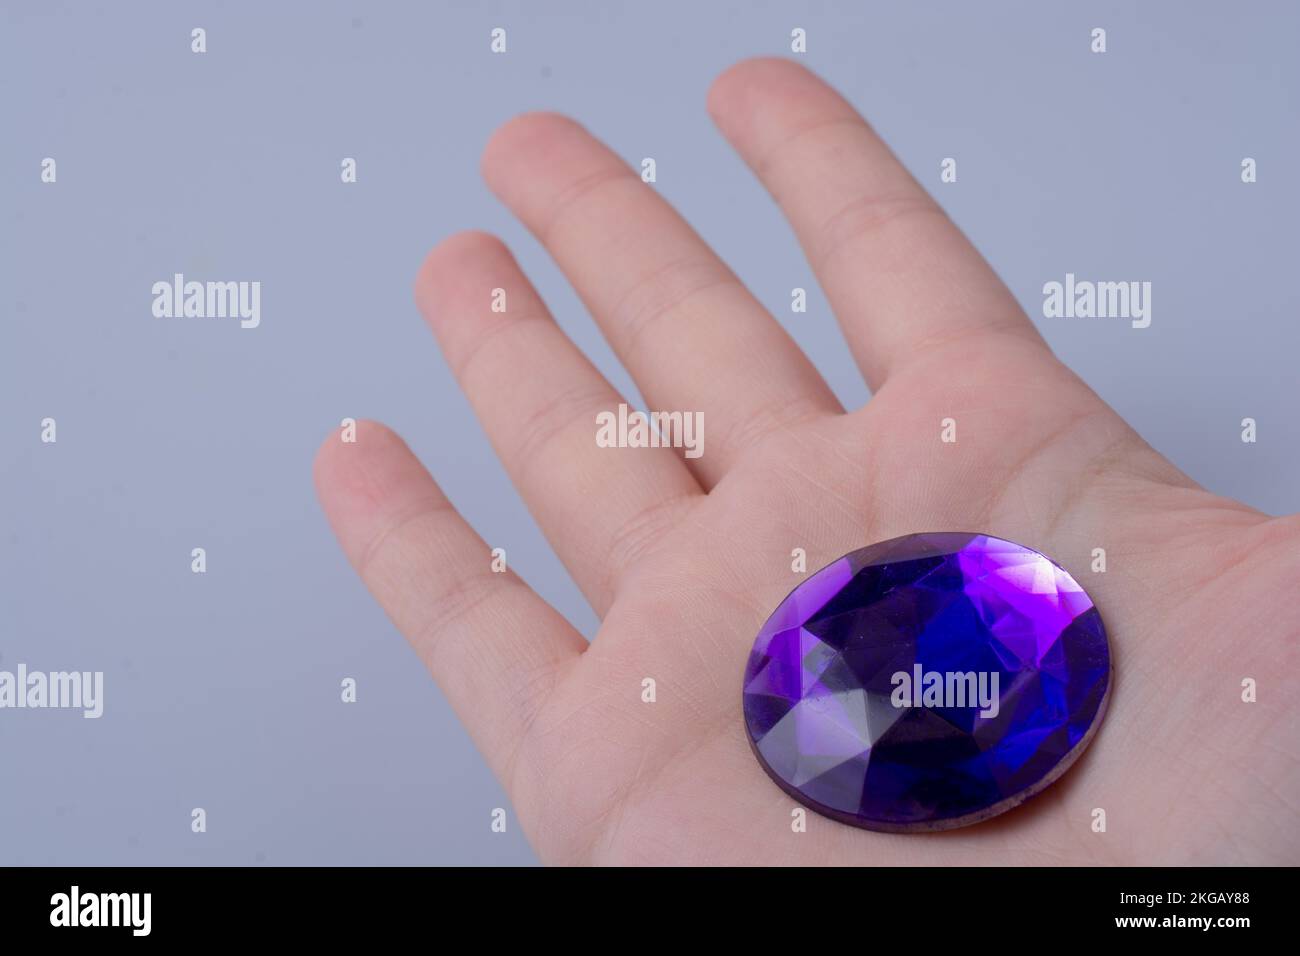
column 453, row 251
column 519, row 141
column 743, row 82
column 449, row 265
column 359, row 469
column 746, row 98
column 738, row 77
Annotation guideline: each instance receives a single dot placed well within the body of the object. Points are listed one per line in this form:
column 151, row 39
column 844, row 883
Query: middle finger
column 691, row 334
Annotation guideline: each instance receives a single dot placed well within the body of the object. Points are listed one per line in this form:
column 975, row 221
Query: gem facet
column 927, row 682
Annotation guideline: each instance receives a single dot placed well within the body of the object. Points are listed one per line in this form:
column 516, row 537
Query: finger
column 538, row 399
column 494, row 647
column 899, row 274
column 690, row 333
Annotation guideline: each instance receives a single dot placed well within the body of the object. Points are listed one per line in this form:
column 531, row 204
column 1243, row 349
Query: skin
column 683, row 559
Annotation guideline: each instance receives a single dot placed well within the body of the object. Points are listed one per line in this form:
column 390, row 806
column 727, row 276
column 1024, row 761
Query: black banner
column 367, row 905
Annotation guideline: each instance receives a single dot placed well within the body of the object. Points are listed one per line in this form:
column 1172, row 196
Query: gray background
column 222, row 690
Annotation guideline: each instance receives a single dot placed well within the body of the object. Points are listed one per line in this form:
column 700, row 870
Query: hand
column 684, row 558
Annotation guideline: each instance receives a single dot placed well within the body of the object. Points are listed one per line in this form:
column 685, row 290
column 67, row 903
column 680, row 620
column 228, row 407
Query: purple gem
column 927, row 682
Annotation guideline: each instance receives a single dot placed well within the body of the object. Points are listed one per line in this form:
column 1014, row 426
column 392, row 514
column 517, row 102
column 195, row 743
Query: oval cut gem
column 927, row 682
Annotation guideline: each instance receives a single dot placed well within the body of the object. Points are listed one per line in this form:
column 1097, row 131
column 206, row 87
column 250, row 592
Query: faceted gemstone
column 927, row 682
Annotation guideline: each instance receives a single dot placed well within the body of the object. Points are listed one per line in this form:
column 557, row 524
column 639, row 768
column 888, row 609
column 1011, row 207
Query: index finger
column 899, row 274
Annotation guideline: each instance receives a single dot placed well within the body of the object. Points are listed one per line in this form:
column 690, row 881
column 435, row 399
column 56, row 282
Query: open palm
column 684, row 558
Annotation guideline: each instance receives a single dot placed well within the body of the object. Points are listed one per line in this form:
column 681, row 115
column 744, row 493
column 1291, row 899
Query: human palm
column 684, row 558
